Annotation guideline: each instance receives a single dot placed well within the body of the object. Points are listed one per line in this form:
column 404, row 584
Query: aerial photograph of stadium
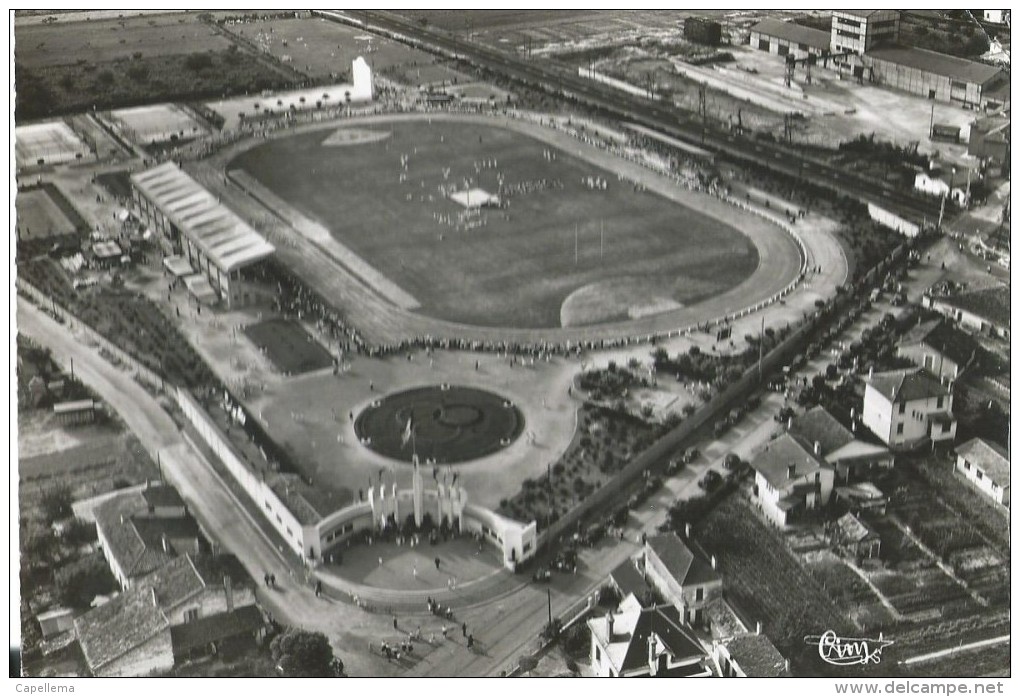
column 511, row 343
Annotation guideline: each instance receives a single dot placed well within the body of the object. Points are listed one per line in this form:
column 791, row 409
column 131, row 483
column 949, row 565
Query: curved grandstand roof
column 228, row 242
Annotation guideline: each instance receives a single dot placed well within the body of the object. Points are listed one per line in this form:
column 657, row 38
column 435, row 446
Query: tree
column 56, row 503
column 527, row 664
column 78, row 585
column 301, row 654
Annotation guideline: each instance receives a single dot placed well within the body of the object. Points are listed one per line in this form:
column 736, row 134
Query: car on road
column 731, row 461
column 690, row 455
column 710, row 481
column 542, row 575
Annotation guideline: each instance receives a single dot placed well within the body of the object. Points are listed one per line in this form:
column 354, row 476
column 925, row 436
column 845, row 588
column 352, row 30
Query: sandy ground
column 892, row 115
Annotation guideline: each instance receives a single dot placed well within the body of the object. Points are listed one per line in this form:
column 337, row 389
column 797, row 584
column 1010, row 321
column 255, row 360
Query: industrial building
column 191, row 221
column 863, row 44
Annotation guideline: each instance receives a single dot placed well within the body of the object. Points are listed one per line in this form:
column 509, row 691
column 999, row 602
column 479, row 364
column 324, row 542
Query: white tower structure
column 361, row 75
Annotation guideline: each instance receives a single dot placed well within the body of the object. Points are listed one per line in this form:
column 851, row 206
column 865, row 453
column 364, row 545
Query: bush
column 198, row 61
column 56, row 503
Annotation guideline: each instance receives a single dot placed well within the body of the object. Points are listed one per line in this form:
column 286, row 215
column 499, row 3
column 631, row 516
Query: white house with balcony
column 906, row 408
column 790, row 480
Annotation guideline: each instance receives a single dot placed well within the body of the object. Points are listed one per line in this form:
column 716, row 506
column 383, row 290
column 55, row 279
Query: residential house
column 681, row 576
column 790, row 480
column 645, row 642
column 985, row 310
column 986, row 466
column 163, row 501
column 854, row 538
column 204, row 588
column 127, row 637
column 207, row 634
column 55, row 621
column 136, row 543
column 850, row 457
column 627, row 579
column 906, row 408
column 939, row 348
column 750, row 656
column 937, row 183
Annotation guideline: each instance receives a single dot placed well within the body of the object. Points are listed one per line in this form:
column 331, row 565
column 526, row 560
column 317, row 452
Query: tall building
column 863, row 30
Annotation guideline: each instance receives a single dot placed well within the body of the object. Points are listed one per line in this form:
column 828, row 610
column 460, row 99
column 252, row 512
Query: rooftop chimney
column 789, row 423
column 122, row 520
column 871, row 372
column 687, row 530
column 714, row 564
column 791, row 471
column 152, row 592
column 166, row 543
column 757, row 627
column 609, row 624
column 818, row 447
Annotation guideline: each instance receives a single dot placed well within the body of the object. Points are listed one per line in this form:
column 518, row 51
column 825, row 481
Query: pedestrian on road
column 437, row 563
column 463, row 628
column 318, row 588
column 267, row 579
column 394, row 621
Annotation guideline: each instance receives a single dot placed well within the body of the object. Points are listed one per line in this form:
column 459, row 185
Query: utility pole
column 602, row 236
column 761, row 346
column 931, row 121
column 548, row 595
column 575, row 244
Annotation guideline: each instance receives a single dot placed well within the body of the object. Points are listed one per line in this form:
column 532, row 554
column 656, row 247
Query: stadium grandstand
column 192, row 222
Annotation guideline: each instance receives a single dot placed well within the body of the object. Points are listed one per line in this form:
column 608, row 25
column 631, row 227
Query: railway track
column 726, row 145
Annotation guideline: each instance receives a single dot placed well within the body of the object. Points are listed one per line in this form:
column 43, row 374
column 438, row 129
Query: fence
column 142, row 373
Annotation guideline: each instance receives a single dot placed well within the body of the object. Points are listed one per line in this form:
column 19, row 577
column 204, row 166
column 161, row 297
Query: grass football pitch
column 562, row 253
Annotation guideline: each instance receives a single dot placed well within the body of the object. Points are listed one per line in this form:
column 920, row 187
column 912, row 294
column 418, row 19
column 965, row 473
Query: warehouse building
column 784, row 38
column 863, row 44
column 192, row 222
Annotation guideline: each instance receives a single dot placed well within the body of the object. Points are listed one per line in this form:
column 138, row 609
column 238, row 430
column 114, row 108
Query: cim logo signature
column 839, row 651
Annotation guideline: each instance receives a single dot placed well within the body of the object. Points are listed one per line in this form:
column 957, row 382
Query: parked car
column 673, row 467
column 720, row 428
column 542, row 575
column 691, row 455
column 731, row 461
column 710, row 481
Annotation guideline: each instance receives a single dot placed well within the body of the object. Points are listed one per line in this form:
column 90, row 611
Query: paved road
column 213, row 505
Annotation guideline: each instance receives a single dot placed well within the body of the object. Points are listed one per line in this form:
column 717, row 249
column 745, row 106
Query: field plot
column 570, row 244
column 765, row 579
column 323, row 49
column 40, row 216
column 70, row 67
column 290, row 348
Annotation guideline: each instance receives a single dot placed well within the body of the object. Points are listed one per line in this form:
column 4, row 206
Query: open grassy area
column 74, row 66
column 323, row 49
column 511, row 266
column 290, row 348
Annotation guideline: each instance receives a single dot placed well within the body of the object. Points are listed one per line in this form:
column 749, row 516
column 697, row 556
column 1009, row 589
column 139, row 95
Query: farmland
column 543, row 260
column 765, row 579
column 322, row 49
column 69, row 67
